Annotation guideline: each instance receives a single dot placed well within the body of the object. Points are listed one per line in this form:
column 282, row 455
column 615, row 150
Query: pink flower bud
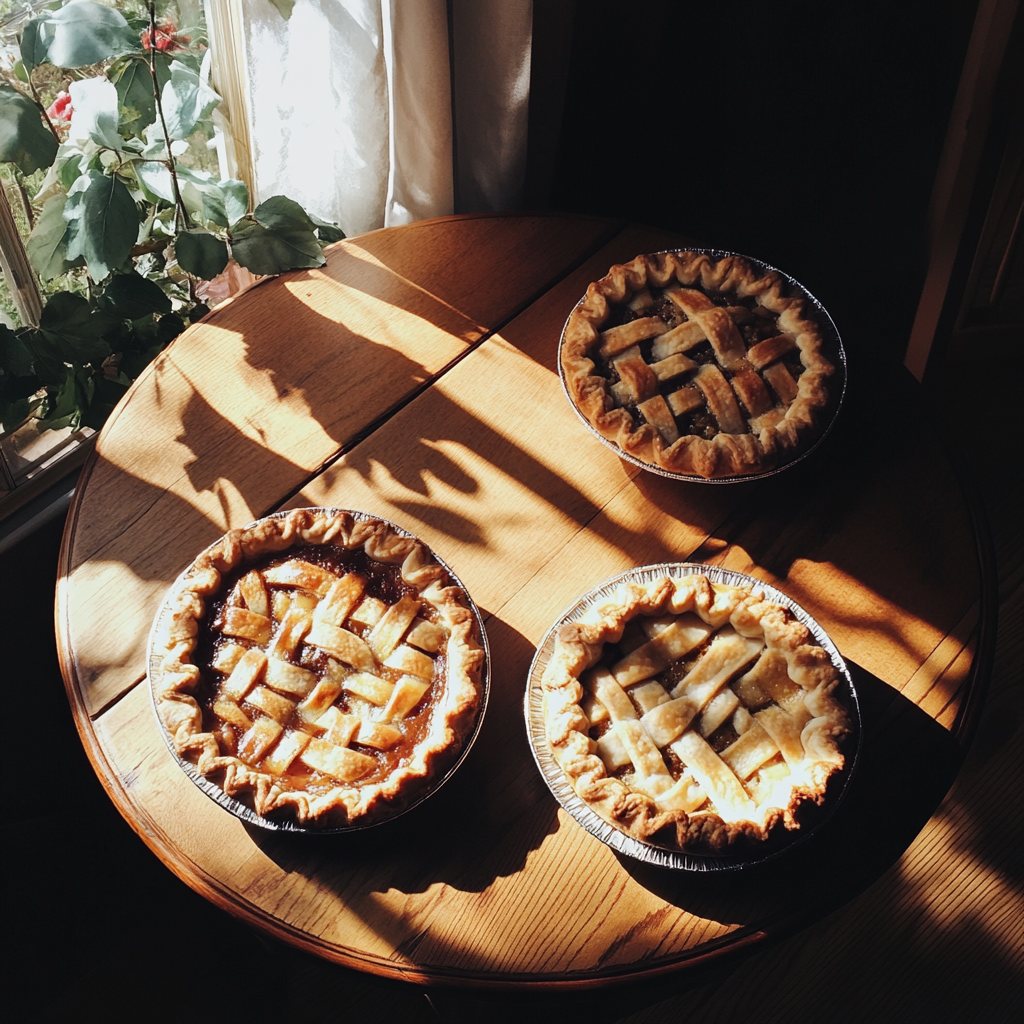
column 60, row 108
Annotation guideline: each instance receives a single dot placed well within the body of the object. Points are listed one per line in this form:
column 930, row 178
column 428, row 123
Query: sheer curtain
column 379, row 112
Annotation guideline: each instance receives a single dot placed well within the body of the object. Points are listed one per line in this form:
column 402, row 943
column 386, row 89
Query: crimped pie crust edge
column 725, row 455
column 577, row 646
column 174, row 677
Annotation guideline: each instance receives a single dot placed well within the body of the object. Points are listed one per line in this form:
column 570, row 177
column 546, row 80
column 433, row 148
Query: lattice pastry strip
column 667, row 715
column 698, row 711
column 263, row 680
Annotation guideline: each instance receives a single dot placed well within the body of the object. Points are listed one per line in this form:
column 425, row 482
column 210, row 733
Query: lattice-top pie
column 697, row 366
column 320, row 663
column 691, row 714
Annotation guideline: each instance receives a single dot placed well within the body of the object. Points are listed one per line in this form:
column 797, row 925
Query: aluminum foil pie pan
column 832, row 347
column 781, row 840
column 242, row 810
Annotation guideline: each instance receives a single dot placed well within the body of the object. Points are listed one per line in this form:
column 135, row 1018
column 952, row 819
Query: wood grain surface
column 415, row 377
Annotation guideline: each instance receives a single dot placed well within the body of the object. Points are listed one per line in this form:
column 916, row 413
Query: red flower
column 164, row 37
column 60, row 108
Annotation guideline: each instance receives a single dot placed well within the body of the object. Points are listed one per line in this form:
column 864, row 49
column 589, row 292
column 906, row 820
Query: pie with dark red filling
column 693, row 714
column 698, row 366
column 319, row 664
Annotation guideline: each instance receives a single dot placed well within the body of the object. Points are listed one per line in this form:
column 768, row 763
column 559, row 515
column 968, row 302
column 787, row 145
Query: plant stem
column 181, row 215
column 26, row 203
column 15, row 183
column 42, row 109
column 153, row 245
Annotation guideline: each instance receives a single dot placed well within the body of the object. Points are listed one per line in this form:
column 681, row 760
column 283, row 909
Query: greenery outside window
column 117, row 226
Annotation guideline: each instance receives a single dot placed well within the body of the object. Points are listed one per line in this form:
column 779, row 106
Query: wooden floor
column 931, row 944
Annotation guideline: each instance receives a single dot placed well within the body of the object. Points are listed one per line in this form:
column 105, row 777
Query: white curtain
column 371, row 113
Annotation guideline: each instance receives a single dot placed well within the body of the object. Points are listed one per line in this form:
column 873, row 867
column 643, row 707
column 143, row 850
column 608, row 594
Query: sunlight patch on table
column 371, row 317
column 488, row 534
column 239, row 404
column 878, row 634
column 407, row 293
column 108, row 612
column 526, row 407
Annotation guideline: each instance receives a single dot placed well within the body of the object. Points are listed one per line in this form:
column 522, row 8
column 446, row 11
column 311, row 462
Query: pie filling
column 695, row 365
column 673, row 371
column 367, row 695
column 693, row 712
column 327, row 678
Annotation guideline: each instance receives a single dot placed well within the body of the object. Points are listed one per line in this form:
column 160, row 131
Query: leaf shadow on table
column 301, row 365
column 907, row 763
column 429, row 487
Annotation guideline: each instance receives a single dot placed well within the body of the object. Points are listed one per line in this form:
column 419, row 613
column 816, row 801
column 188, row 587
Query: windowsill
column 40, row 472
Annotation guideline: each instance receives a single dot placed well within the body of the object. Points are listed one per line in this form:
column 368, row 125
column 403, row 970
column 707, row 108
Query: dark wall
column 806, row 134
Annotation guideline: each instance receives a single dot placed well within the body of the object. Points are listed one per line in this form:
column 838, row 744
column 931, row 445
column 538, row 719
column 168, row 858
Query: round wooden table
column 414, row 376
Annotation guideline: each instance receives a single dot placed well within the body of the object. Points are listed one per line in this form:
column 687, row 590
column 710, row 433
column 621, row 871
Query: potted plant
column 106, row 117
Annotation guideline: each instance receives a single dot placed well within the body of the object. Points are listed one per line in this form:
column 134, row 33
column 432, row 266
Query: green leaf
column 62, row 409
column 14, row 388
column 47, row 245
column 14, row 409
column 18, row 381
column 263, row 252
column 326, row 231
column 168, row 328
column 69, row 165
column 212, row 201
column 186, row 99
column 280, row 238
column 156, row 146
column 107, row 393
column 201, row 254
column 68, row 313
column 150, row 340
column 104, row 223
column 76, row 329
column 15, row 355
column 281, row 214
column 134, row 84
column 36, row 37
column 48, row 361
column 85, row 384
column 131, row 296
column 77, row 350
column 133, row 363
column 203, row 201
column 95, row 113
column 190, row 60
column 155, row 178
column 80, row 34
column 284, row 7
column 24, row 139
column 236, row 199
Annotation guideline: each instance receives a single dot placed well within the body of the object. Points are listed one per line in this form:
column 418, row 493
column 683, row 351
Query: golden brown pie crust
column 628, row 735
column 760, row 415
column 182, row 693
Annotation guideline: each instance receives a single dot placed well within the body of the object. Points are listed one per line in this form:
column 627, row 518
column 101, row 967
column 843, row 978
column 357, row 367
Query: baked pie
column 695, row 365
column 321, row 664
column 692, row 714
